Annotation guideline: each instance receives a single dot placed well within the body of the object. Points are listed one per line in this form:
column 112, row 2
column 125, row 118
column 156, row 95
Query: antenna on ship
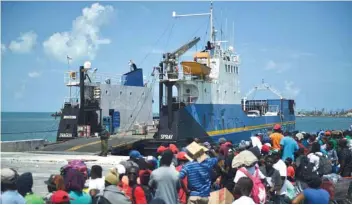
column 201, row 14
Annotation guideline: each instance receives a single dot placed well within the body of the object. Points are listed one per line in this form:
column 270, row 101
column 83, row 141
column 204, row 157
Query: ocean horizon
column 41, row 125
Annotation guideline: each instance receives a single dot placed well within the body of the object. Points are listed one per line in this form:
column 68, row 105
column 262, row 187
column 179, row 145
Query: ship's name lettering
column 166, row 137
column 65, row 134
column 69, row 117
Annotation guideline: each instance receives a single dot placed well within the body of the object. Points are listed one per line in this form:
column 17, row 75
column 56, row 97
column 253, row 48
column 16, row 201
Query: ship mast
column 212, row 29
column 212, row 40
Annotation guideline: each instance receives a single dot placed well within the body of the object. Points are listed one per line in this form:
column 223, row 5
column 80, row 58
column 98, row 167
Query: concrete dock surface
column 43, row 164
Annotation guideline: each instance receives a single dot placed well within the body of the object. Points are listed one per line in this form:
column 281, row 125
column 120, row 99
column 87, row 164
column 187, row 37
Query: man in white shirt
column 282, row 168
column 96, row 181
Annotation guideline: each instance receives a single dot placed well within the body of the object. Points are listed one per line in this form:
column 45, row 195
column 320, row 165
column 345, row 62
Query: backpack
column 78, row 165
column 324, row 166
column 258, row 191
column 305, row 169
column 147, row 192
column 100, row 199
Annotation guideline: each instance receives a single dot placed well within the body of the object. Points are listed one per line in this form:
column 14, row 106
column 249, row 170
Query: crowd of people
column 279, row 167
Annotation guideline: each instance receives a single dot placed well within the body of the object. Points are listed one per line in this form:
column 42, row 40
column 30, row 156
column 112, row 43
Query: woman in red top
column 139, row 195
column 182, row 195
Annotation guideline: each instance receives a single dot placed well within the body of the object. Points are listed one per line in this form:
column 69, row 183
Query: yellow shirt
column 275, row 140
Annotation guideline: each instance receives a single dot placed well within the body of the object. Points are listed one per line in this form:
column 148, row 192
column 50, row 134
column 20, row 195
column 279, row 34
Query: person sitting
column 111, row 193
column 24, row 187
column 96, row 181
column 54, row 183
column 74, row 183
column 9, row 193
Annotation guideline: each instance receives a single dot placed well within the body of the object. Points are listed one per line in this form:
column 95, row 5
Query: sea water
column 26, row 125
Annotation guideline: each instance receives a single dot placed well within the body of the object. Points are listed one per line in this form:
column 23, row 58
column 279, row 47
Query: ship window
column 106, row 92
column 225, row 91
column 143, row 93
column 130, row 93
column 120, row 92
column 205, row 90
column 131, row 116
column 226, row 68
column 188, row 91
column 231, row 69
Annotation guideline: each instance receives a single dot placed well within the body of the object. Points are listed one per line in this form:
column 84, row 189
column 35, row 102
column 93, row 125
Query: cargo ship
column 208, row 104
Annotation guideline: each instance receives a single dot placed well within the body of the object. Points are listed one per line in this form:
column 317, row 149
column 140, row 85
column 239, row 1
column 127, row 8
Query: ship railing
column 175, row 76
column 71, row 78
column 71, row 100
column 178, row 100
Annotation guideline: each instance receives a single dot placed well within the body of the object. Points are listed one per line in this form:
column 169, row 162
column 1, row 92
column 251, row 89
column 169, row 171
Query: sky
column 302, row 49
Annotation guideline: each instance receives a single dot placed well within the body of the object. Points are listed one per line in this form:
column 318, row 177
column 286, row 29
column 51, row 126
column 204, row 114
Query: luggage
column 325, row 166
column 258, row 191
column 78, row 165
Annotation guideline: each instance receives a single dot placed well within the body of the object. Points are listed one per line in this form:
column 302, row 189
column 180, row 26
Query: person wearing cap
column 299, row 137
column 9, row 193
column 276, row 137
column 54, row 183
column 60, row 197
column 134, row 191
column 96, row 180
column 111, row 193
column 135, row 156
column 24, row 187
column 183, row 193
column 165, row 179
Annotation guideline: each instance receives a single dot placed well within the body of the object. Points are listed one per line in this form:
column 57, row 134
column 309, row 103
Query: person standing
column 133, row 66
column 165, row 179
column 104, row 138
column 289, row 146
column 276, row 137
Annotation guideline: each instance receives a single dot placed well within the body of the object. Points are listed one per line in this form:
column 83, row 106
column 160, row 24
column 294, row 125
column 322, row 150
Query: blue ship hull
column 214, row 121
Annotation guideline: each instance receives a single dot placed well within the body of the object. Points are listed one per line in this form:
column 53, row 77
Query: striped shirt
column 199, row 179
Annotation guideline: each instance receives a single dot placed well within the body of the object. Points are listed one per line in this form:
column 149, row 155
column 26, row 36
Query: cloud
column 277, row 67
column 83, row 40
column 19, row 94
column 298, row 55
column 34, row 74
column 25, row 42
column 3, row 48
column 290, row 90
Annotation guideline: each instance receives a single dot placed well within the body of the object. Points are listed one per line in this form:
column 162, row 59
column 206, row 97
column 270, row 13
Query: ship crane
column 263, row 86
column 170, row 60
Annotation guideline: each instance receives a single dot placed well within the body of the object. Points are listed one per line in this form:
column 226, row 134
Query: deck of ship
column 92, row 145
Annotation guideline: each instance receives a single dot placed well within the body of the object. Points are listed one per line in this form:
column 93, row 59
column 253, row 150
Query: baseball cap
column 161, row 149
column 277, row 127
column 181, row 156
column 60, row 197
column 51, row 181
